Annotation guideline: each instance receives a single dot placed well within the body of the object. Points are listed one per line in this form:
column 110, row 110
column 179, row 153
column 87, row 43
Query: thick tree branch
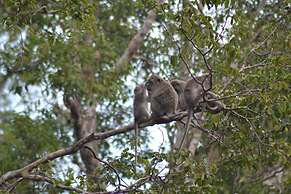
column 91, row 137
column 136, row 41
column 78, row 145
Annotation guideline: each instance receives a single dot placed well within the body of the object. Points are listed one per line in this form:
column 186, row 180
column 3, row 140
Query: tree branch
column 35, row 177
column 95, row 136
column 107, row 164
column 136, row 41
column 78, row 145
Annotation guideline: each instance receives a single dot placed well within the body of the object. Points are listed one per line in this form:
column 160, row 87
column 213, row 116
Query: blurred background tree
column 59, row 82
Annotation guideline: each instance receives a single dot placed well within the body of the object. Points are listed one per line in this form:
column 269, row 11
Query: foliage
column 52, row 48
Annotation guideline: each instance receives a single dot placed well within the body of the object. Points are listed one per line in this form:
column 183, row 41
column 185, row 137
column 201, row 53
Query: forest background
column 67, row 74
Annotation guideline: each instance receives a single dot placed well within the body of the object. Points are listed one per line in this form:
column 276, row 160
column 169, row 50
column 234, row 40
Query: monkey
column 179, row 86
column 193, row 92
column 211, row 106
column 162, row 96
column 140, row 111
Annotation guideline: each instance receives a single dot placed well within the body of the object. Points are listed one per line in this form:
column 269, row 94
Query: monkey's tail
column 135, row 145
column 215, row 109
column 190, row 112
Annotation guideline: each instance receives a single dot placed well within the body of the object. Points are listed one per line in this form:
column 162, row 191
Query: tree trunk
column 84, row 125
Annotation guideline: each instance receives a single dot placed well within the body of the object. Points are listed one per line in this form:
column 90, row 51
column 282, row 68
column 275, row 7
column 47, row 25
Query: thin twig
column 109, row 165
column 207, row 131
column 251, row 126
column 13, row 186
column 242, row 93
column 273, row 174
column 35, row 177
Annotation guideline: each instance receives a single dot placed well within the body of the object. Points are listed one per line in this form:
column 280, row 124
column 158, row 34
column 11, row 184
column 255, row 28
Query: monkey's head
column 178, row 85
column 140, row 90
column 153, row 81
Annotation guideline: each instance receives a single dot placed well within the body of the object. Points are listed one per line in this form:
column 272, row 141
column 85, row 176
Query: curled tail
column 189, row 118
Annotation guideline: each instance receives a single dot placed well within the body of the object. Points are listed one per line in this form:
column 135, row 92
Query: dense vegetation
column 68, row 68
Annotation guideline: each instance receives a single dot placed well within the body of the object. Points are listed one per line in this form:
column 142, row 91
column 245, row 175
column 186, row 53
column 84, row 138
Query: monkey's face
column 153, row 81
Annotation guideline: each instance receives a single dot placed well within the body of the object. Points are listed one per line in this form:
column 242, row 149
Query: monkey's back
column 179, row 86
column 193, row 90
column 164, row 99
column 192, row 93
column 140, row 108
